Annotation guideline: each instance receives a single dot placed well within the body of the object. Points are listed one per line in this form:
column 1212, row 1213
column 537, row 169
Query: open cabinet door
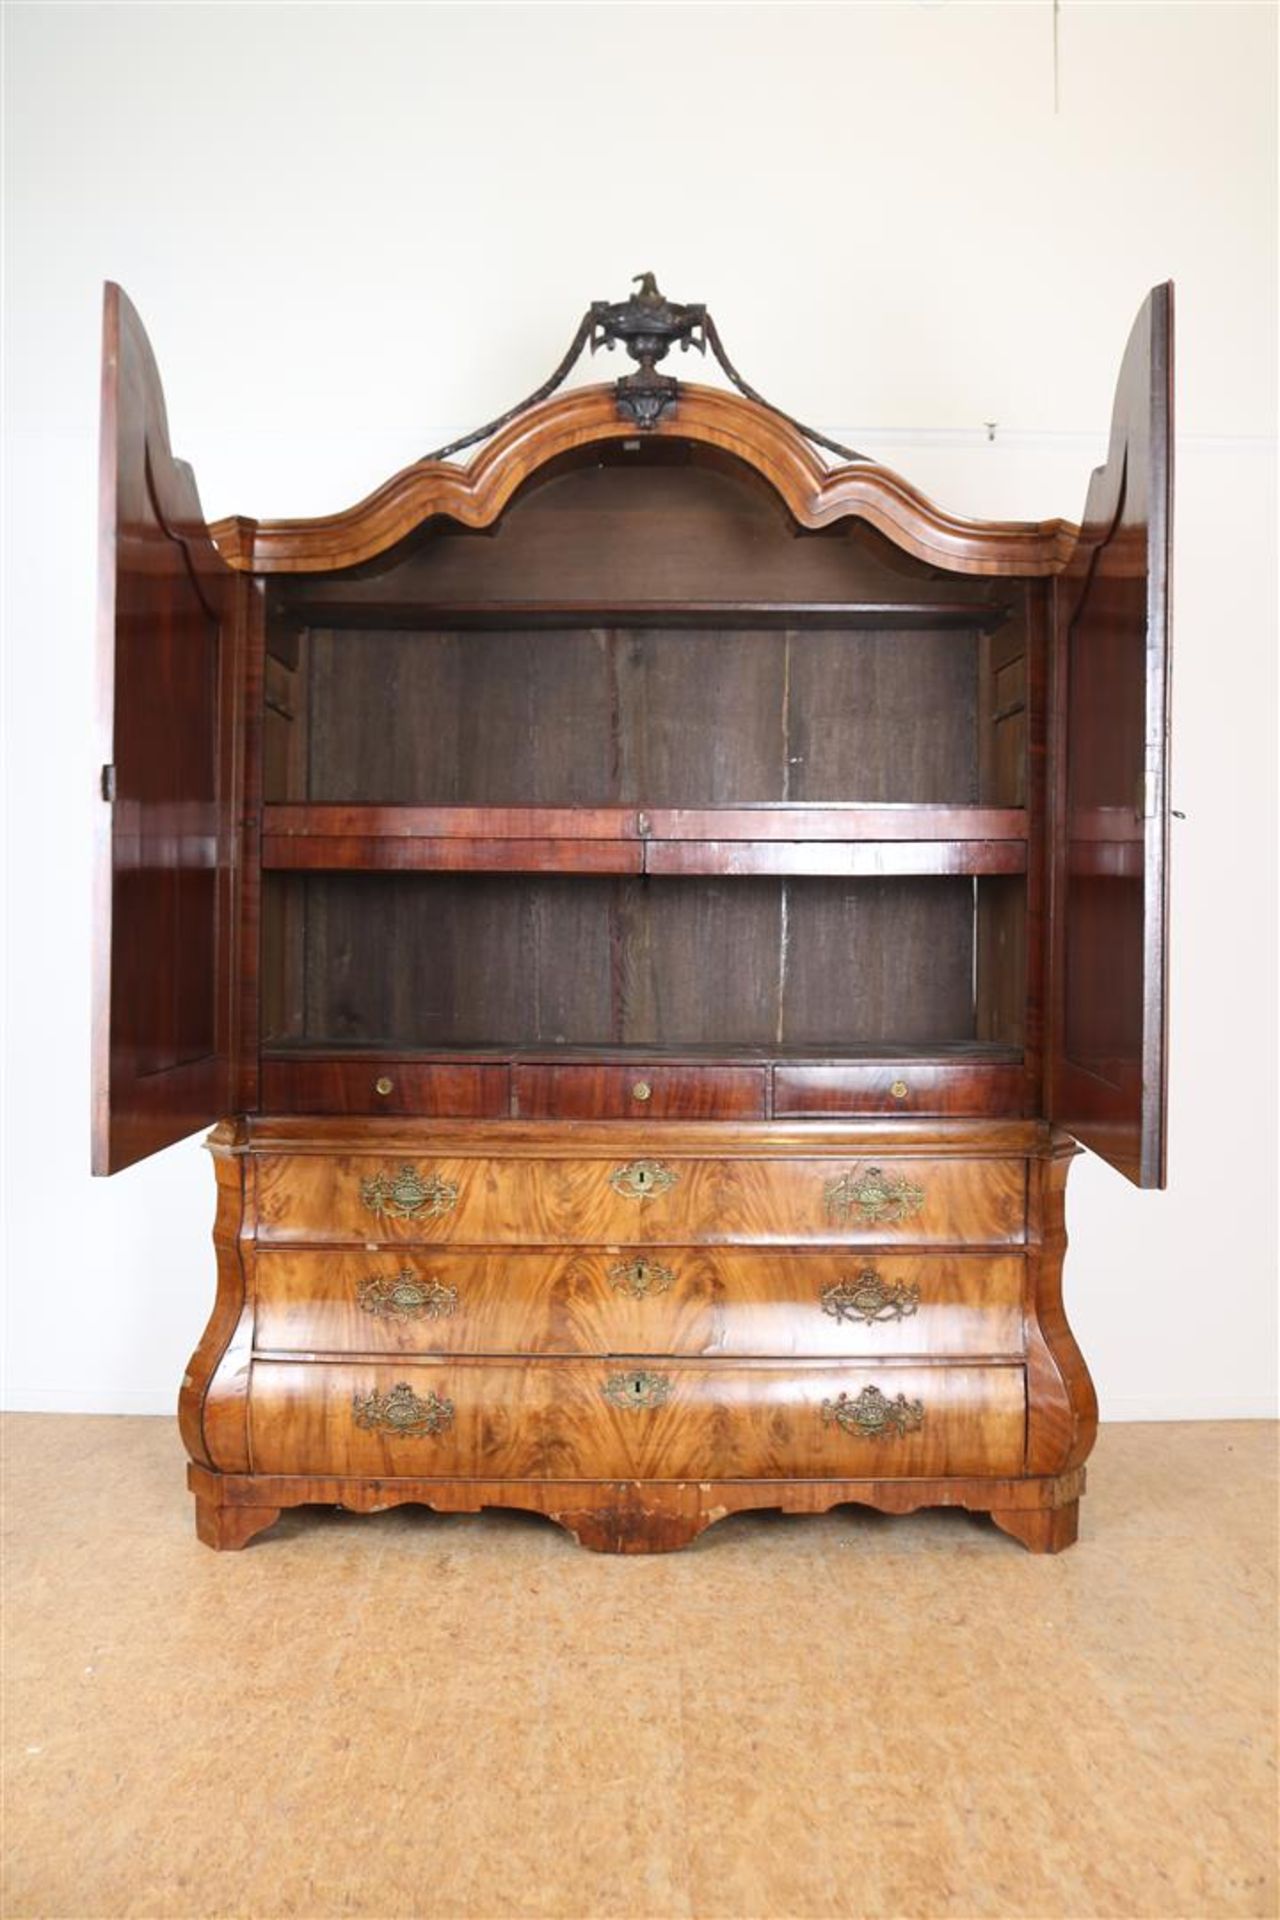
column 169, row 642
column 1110, row 787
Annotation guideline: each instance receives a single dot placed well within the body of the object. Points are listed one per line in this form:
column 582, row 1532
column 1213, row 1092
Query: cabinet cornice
column 817, row 495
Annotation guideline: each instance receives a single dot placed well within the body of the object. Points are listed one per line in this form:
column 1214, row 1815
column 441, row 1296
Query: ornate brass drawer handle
column 642, row 1179
column 403, row 1296
column 868, row 1298
column 641, row 1277
column 639, row 1392
column 405, row 1195
column 872, row 1415
column 402, row 1412
column 879, row 1199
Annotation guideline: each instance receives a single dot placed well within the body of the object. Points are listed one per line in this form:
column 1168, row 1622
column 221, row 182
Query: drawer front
column 924, row 1087
column 640, row 1092
column 569, row 1419
column 675, row 1300
column 385, row 1086
column 363, row 1200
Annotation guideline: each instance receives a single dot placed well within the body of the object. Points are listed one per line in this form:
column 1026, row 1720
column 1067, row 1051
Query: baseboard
column 1152, row 1407
column 151, row 1400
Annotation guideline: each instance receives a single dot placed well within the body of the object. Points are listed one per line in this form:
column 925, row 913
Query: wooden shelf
column 865, row 1053
column 319, row 609
column 802, row 840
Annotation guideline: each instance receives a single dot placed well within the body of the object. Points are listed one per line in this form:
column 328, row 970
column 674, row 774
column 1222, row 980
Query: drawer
column 907, row 1086
column 678, row 1300
column 386, row 1086
column 571, row 1419
column 637, row 1092
column 360, row 1199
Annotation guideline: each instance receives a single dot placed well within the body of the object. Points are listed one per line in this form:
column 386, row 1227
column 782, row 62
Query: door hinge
column 108, row 783
column 1145, row 798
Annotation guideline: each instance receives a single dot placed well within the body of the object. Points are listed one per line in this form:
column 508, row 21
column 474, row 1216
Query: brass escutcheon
column 403, row 1296
column 407, row 1196
column 880, row 1200
column 641, row 1090
column 402, row 1412
column 642, row 1179
column 899, row 1089
column 639, row 1391
column 383, row 1084
column 872, row 1415
column 640, row 1277
column 868, row 1299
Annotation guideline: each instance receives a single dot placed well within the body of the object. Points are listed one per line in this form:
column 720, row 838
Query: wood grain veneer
column 816, row 495
column 527, row 1418
column 482, row 1091
column 640, row 1091
column 906, row 1086
column 509, row 1201
column 171, row 622
column 667, row 933
column 625, row 1300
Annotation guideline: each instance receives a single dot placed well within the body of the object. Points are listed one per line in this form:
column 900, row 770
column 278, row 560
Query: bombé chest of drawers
column 555, row 1317
column 652, row 913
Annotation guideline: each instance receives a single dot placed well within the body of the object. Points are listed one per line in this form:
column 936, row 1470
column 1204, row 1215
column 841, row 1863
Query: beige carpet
column 410, row 1715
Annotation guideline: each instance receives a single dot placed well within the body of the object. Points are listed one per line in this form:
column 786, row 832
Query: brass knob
column 899, row 1089
column 383, row 1083
column 641, row 1090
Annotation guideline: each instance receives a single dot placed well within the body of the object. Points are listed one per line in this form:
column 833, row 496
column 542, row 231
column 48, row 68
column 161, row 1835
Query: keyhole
column 637, row 1388
column 644, row 1179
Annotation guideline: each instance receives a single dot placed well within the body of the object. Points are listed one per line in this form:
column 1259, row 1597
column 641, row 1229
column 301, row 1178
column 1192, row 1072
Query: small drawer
column 640, row 1092
column 920, row 1087
column 605, row 1419
column 391, row 1086
column 359, row 1199
column 673, row 1300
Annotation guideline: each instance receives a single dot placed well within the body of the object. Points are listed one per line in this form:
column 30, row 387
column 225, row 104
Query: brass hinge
column 108, row 783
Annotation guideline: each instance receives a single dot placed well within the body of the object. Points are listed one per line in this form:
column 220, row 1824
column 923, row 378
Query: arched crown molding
column 475, row 494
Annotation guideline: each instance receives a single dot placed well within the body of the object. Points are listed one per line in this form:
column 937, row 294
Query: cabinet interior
column 552, row 960
column 650, row 630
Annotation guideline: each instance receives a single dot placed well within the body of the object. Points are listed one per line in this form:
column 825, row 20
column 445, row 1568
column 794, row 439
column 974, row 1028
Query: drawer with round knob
column 908, row 1086
column 377, row 1085
column 627, row 1417
column 670, row 1300
column 646, row 1198
column 641, row 1091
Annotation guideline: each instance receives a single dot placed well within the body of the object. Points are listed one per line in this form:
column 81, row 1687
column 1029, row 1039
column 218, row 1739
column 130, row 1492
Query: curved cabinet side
column 214, row 1401
column 1062, row 1407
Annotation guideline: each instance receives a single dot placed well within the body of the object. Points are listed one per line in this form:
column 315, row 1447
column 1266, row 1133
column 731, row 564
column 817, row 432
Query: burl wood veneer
column 652, row 914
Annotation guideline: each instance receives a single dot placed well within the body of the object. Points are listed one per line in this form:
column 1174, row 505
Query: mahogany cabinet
column 651, row 909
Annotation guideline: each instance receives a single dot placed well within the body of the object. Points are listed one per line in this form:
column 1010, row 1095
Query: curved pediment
column 816, row 495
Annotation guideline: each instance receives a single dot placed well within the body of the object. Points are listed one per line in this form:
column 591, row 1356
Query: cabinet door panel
column 1111, row 803
column 169, row 644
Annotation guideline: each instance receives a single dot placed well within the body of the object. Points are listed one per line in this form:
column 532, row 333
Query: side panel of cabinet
column 172, row 620
column 1110, row 839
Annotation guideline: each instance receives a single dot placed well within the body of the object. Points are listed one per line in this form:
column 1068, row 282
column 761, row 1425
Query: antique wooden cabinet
column 651, row 911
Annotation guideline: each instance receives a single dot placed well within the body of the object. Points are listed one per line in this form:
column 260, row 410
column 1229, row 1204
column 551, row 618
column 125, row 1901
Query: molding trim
column 817, row 495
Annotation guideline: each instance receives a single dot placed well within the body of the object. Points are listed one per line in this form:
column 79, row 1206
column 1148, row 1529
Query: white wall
column 353, row 231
